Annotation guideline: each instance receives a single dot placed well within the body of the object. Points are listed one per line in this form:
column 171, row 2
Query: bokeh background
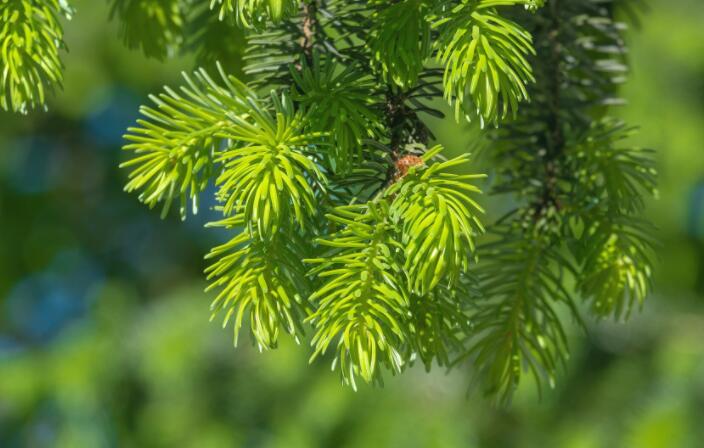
column 104, row 332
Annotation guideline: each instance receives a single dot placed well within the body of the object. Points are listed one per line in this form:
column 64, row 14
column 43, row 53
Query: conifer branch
column 343, row 216
column 582, row 194
column 485, row 59
column 255, row 13
column 399, row 254
column 337, row 100
column 267, row 172
column 516, row 326
column 262, row 280
column 175, row 145
column 362, row 306
column 400, row 41
column 439, row 322
column 154, row 26
column 31, row 38
column 439, row 222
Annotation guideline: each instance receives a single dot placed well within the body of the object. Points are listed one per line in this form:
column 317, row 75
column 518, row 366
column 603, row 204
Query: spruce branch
column 400, row 41
column 269, row 169
column 439, row 221
column 393, row 250
column 581, row 192
column 485, row 59
column 516, row 326
column 617, row 266
column 211, row 40
column 610, row 173
column 344, row 217
column 262, row 280
column 154, row 26
column 31, row 37
column 255, row 13
column 362, row 306
column 175, row 145
column 439, row 323
column 339, row 103
column 266, row 188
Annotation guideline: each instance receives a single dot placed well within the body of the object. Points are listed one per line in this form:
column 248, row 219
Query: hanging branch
column 31, row 39
column 580, row 195
column 344, row 219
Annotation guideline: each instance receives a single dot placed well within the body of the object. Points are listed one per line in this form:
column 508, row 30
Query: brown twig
column 308, row 28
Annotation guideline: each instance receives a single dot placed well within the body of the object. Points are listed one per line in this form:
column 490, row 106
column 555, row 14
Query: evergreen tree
column 345, row 219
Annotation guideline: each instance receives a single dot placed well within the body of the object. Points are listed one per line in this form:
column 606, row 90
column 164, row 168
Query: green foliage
column 374, row 304
column 439, row 222
column 336, row 168
column 616, row 247
column 175, row 146
column 214, row 42
column 617, row 267
column 31, row 37
column 339, row 103
column 343, row 213
column 581, row 191
column 484, row 56
column 439, row 322
column 610, row 171
column 261, row 279
column 361, row 306
column 267, row 174
column 142, row 357
column 516, row 325
column 155, row 26
column 251, row 13
column 400, row 41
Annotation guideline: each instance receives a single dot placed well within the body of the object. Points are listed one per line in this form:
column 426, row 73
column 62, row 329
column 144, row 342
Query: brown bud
column 405, row 163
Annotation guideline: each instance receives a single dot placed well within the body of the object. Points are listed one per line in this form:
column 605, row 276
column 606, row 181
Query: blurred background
column 104, row 333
